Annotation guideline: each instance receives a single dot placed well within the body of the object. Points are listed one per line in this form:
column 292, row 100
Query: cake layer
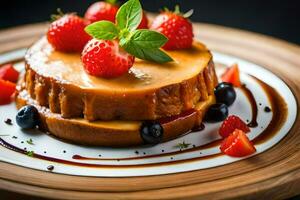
column 111, row 133
column 149, row 91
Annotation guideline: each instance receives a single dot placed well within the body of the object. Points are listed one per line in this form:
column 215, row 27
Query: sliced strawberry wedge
column 7, row 89
column 8, row 73
column 230, row 124
column 232, row 75
column 237, row 144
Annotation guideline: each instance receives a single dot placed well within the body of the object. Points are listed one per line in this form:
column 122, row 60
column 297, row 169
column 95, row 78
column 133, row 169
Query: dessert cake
column 91, row 110
column 85, row 109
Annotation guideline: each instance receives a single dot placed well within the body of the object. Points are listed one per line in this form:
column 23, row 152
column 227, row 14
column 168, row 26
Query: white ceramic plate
column 165, row 162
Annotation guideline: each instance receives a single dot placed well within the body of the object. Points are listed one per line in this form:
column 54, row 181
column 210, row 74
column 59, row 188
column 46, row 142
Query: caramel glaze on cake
column 109, row 112
column 149, row 91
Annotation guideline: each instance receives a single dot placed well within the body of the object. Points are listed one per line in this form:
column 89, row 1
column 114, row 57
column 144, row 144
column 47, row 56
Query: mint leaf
column 129, row 15
column 153, row 54
column 103, row 30
column 145, row 44
column 156, row 55
column 148, row 39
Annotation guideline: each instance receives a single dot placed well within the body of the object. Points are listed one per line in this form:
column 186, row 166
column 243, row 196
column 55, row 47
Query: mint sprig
column 144, row 44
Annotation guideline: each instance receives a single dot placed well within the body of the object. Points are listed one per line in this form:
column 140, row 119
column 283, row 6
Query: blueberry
column 27, row 117
column 225, row 93
column 216, row 113
column 151, row 132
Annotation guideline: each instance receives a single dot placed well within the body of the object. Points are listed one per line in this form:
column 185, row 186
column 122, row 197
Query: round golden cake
column 109, row 112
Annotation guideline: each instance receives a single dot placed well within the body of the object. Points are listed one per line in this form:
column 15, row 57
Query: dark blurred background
column 278, row 18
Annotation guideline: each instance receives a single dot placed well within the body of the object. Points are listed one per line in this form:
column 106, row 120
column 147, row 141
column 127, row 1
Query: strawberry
column 7, row 89
column 105, row 58
column 237, row 144
column 232, row 75
column 8, row 72
column 144, row 22
column 230, row 124
column 176, row 27
column 107, row 11
column 67, row 33
column 101, row 11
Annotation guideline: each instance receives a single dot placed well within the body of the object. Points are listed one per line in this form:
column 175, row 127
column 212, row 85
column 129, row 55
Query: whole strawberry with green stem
column 176, row 27
column 67, row 33
column 112, row 51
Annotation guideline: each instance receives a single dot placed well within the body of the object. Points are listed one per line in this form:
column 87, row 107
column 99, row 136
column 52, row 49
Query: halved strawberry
column 230, row 124
column 232, row 75
column 237, row 144
column 8, row 73
column 7, row 89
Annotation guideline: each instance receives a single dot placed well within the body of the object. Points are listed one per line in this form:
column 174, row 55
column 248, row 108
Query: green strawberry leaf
column 150, row 54
column 148, row 39
column 104, row 30
column 129, row 15
column 58, row 15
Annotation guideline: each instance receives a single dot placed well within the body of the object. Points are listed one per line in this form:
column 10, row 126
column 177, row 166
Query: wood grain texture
column 274, row 174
